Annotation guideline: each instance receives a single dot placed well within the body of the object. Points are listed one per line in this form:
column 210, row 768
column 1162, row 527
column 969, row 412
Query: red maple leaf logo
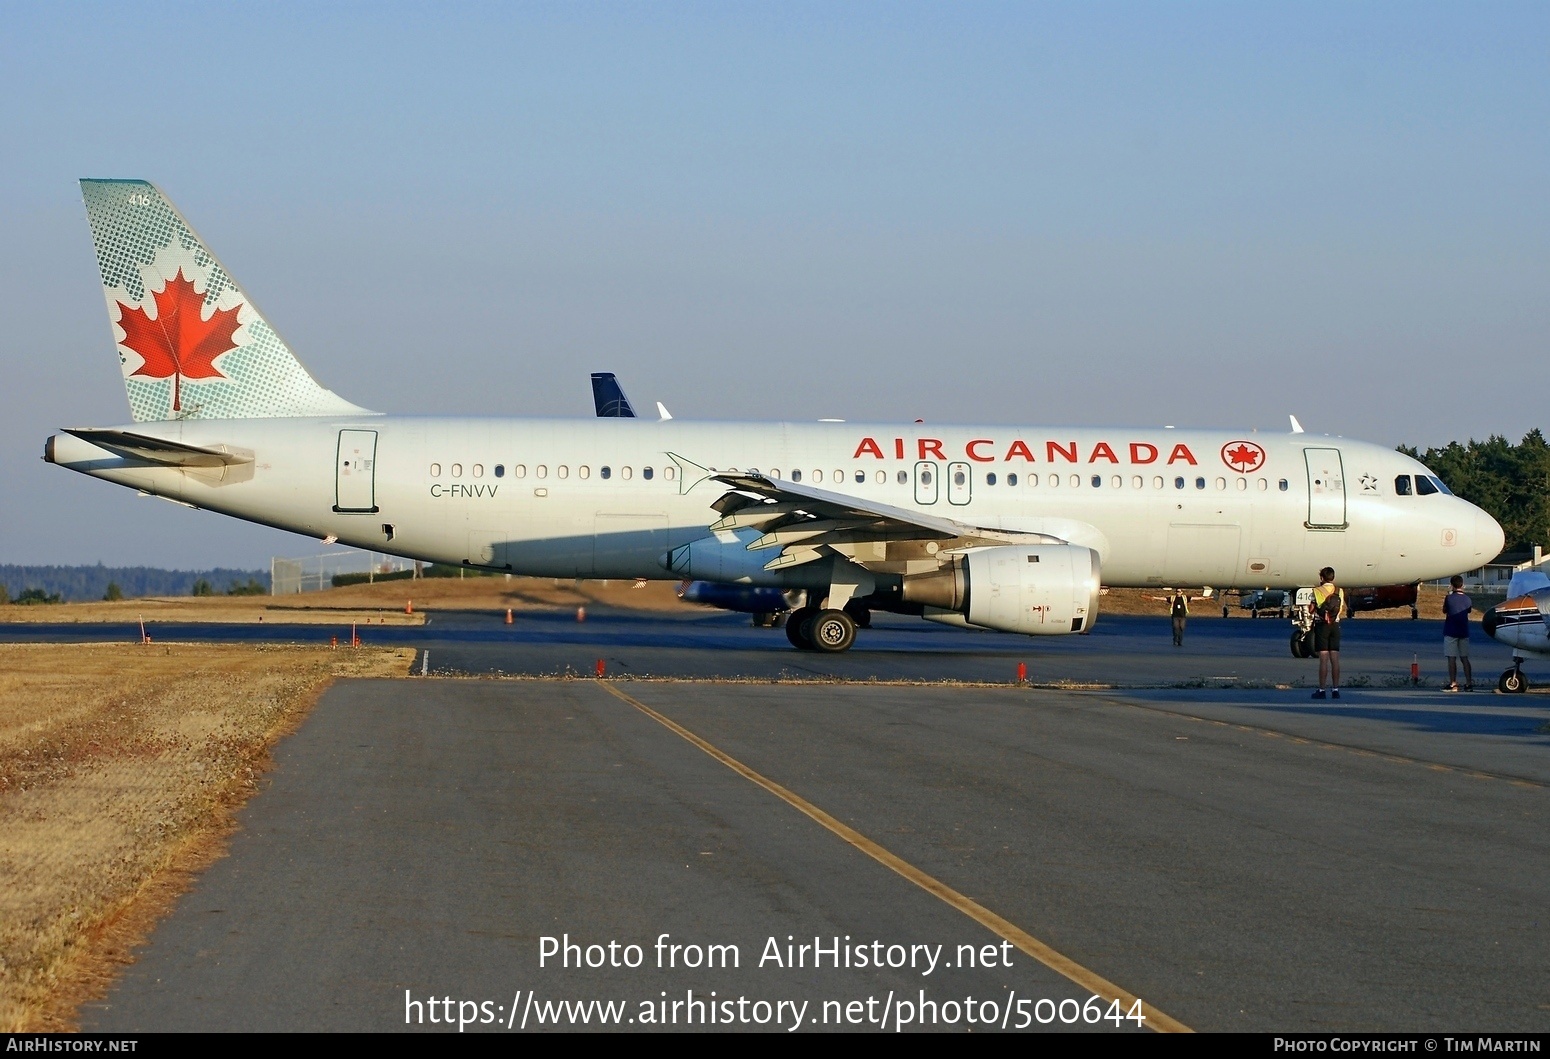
column 1242, row 456
column 179, row 343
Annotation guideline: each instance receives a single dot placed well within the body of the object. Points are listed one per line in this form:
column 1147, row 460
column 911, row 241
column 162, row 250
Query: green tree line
column 1511, row 482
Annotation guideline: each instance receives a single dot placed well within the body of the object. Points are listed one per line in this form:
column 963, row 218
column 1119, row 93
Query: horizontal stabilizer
column 157, row 450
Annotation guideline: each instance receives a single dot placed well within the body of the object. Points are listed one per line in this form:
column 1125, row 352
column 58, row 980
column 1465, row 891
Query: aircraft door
column 355, row 471
column 926, row 485
column 960, row 483
column 1326, row 489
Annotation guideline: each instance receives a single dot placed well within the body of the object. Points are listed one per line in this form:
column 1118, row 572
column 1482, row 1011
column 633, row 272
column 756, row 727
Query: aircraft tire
column 833, row 631
column 1513, row 682
column 797, row 628
column 1300, row 646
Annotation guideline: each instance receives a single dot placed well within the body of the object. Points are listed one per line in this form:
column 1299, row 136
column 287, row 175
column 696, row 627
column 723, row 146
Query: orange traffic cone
column 581, row 613
column 508, row 615
column 409, row 606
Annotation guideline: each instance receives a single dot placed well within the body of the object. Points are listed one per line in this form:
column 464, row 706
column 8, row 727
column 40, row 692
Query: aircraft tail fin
column 608, row 397
column 191, row 343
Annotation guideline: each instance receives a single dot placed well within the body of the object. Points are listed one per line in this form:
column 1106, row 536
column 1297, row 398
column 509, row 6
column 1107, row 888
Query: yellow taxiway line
column 1092, row 982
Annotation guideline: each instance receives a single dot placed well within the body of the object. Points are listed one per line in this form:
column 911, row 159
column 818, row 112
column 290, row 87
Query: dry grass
column 382, row 603
column 120, row 768
column 1152, row 601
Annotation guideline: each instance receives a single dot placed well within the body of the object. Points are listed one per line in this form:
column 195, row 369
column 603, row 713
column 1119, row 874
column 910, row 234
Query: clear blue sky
column 1197, row 214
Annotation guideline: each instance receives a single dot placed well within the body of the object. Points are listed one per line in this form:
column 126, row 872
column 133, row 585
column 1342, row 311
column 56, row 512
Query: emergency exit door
column 1326, row 489
column 926, row 484
column 355, row 471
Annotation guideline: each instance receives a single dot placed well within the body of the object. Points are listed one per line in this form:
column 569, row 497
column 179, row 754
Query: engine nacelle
column 1035, row 589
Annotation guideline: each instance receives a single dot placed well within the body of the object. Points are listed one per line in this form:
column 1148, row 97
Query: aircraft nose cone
column 1489, row 621
column 1488, row 532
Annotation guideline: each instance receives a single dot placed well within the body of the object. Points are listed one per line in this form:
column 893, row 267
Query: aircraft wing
column 157, row 450
column 801, row 524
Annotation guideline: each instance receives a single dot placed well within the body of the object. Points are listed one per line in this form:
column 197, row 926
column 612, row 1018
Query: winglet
column 1296, row 426
column 662, row 413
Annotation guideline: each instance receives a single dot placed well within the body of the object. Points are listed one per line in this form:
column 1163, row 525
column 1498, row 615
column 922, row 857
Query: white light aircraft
column 998, row 527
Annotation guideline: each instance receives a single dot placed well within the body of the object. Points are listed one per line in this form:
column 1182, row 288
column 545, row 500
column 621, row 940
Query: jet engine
column 1038, row 589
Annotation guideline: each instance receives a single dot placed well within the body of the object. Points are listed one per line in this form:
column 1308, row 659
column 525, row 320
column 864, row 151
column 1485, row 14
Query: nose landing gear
column 1513, row 682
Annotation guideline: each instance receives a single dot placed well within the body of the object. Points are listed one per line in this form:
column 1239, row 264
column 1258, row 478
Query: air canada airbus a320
column 995, row 527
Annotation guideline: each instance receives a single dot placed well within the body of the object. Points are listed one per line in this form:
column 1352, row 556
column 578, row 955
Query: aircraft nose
column 1488, row 532
column 1490, row 621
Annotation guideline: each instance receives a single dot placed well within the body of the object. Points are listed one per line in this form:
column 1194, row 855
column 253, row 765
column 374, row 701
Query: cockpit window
column 1402, row 485
column 1424, row 485
column 1441, row 485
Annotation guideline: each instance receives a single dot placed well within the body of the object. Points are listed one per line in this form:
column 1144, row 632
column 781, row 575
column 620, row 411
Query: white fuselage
column 608, row 498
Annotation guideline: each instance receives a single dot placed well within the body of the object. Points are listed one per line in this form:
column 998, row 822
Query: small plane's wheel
column 1300, row 646
column 833, row 631
column 1513, row 682
column 859, row 614
column 797, row 630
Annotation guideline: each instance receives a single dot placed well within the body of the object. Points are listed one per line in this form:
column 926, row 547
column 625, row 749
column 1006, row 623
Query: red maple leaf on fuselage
column 1243, row 458
column 179, row 343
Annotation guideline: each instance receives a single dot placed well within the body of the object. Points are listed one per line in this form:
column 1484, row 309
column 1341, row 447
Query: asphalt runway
column 1122, row 650
column 1240, row 859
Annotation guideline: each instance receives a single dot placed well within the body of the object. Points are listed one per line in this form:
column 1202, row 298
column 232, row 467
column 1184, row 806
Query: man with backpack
column 1328, row 607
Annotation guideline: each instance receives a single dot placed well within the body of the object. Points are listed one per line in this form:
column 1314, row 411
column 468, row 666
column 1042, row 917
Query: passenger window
column 1011, row 479
column 1033, row 481
column 860, row 477
column 564, row 471
column 958, row 478
column 519, row 471
column 882, row 477
column 478, row 470
column 1178, row 483
column 925, row 477
column 605, row 472
column 990, row 478
column 1263, row 485
column 500, row 470
column 583, row 471
column 1402, row 485
column 903, row 477
column 1137, row 482
column 1117, row 481
column 457, row 470
column 541, row 471
column 1243, row 483
column 1157, row 482
column 796, row 475
column 1200, row 483
column 839, row 476
column 646, row 473
column 624, row 472
column 1424, row 486
column 435, row 470
column 1282, row 484
column 1076, row 481
column 667, row 473
column 1221, row 483
column 1054, row 481
column 1097, row 480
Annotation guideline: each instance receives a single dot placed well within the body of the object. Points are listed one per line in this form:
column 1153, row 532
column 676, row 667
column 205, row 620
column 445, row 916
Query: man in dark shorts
column 1455, row 634
column 1328, row 606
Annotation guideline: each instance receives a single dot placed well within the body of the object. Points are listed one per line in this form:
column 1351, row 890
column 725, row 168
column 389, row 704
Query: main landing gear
column 831, row 631
column 1513, row 682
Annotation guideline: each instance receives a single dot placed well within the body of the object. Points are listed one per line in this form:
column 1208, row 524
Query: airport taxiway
column 1240, row 858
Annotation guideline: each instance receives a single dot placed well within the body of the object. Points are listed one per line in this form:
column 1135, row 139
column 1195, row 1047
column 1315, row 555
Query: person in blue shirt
column 1455, row 634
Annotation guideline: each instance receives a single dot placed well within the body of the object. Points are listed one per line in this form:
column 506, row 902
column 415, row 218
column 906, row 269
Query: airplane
column 767, row 606
column 1519, row 622
column 990, row 527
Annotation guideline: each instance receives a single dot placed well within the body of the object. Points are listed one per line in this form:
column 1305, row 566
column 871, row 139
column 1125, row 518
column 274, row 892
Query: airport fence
column 313, row 573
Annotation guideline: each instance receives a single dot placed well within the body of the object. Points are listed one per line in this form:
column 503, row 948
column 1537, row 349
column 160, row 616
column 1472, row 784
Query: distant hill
column 79, row 583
